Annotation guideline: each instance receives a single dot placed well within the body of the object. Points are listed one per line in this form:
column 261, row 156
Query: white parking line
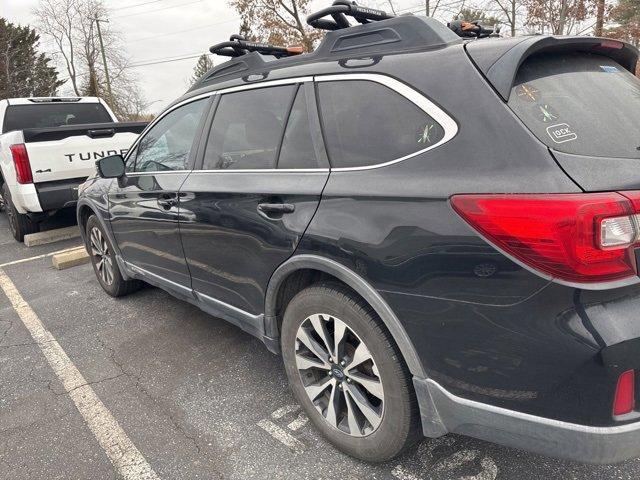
column 300, row 421
column 123, row 454
column 282, row 411
column 282, row 436
column 37, row 257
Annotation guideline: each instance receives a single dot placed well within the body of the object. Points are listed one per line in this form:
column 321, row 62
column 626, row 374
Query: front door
column 264, row 169
column 144, row 206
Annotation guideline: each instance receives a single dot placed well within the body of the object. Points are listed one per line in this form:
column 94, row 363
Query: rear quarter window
column 366, row 123
column 579, row 103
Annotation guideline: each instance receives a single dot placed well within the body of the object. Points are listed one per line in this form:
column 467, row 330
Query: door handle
column 276, row 209
column 167, row 201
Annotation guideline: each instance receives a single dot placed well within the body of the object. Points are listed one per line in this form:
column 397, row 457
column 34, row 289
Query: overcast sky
column 163, row 29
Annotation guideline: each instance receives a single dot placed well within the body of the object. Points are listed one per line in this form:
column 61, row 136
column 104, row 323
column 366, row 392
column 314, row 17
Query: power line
column 136, row 5
column 164, row 60
column 182, row 31
column 157, row 9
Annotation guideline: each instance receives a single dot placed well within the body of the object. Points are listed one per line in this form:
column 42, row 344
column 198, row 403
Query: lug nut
column 330, row 373
column 348, row 380
column 342, row 363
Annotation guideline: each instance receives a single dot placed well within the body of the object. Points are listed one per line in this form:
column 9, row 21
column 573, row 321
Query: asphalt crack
column 141, row 388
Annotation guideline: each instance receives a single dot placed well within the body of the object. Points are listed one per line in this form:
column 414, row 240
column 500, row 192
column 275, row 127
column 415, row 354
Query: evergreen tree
column 203, row 65
column 23, row 71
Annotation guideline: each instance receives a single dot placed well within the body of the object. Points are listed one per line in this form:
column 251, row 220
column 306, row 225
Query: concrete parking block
column 71, row 258
column 51, row 236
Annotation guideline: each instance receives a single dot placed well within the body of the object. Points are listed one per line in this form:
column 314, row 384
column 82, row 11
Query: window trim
column 447, row 123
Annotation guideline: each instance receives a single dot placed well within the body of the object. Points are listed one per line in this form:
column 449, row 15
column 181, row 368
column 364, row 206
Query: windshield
column 579, row 103
column 42, row 115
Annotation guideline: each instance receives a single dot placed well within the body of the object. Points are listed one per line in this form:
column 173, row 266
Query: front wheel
column 347, row 373
column 19, row 223
column 104, row 261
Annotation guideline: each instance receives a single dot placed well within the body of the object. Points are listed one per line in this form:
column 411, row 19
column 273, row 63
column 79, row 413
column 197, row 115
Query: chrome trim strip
column 263, row 170
column 224, row 305
column 270, row 83
column 448, row 124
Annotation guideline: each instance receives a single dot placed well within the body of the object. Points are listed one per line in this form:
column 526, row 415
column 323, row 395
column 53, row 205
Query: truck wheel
column 104, row 261
column 19, row 223
column 348, row 374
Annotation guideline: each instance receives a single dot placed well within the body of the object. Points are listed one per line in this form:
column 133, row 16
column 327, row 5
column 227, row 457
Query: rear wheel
column 104, row 261
column 19, row 223
column 347, row 373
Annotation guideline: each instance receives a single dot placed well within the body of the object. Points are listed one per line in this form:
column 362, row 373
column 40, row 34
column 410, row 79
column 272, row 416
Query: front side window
column 366, row 123
column 579, row 103
column 166, row 146
column 247, row 128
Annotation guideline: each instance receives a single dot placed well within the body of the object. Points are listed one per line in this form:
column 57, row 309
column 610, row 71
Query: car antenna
column 239, row 45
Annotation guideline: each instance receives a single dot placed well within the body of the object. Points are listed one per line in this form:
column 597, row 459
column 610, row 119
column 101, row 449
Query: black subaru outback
column 438, row 234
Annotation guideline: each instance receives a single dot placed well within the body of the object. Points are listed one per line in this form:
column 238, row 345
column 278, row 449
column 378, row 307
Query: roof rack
column 238, row 46
column 341, row 9
column 339, row 12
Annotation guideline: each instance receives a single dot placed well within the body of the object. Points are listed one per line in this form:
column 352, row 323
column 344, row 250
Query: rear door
column 258, row 187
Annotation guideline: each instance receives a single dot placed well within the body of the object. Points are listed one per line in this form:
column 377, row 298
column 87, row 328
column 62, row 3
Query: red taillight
column 21, row 162
column 625, row 398
column 573, row 237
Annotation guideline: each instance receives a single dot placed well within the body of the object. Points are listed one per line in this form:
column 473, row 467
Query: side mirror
column 111, row 167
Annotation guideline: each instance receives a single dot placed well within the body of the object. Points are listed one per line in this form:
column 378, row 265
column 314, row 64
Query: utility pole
column 104, row 60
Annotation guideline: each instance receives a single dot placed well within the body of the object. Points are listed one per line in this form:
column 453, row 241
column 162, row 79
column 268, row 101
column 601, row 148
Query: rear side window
column 247, row 129
column 366, row 123
column 297, row 146
column 579, row 103
column 43, row 115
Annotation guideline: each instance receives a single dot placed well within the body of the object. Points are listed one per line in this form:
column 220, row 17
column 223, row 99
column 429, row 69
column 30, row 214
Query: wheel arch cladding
column 334, row 269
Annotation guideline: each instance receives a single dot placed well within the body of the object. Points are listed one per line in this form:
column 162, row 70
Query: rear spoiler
column 499, row 60
column 92, row 130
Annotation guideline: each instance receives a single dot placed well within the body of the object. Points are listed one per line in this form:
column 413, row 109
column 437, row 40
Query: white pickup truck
column 48, row 147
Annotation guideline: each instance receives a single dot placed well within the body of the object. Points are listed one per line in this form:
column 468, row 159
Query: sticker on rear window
column 561, row 133
column 546, row 114
column 528, row 93
column 609, row 68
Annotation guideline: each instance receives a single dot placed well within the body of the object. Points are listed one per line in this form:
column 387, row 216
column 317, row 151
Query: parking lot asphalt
column 199, row 398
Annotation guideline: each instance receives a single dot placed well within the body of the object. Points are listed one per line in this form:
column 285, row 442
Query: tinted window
column 167, row 144
column 367, row 123
column 297, row 146
column 41, row 115
column 579, row 103
column 247, row 128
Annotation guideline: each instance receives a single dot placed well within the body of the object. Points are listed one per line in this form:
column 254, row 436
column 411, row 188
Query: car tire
column 392, row 420
column 104, row 261
column 19, row 223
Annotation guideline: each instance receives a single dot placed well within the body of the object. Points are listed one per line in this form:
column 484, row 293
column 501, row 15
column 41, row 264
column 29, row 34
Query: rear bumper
column 443, row 412
column 25, row 198
column 58, row 194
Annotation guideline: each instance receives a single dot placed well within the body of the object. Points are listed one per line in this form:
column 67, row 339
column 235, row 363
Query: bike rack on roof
column 238, row 46
column 335, row 18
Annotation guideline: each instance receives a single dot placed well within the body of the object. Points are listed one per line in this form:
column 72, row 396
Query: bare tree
column 277, row 21
column 71, row 24
column 510, row 10
column 56, row 19
column 560, row 17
